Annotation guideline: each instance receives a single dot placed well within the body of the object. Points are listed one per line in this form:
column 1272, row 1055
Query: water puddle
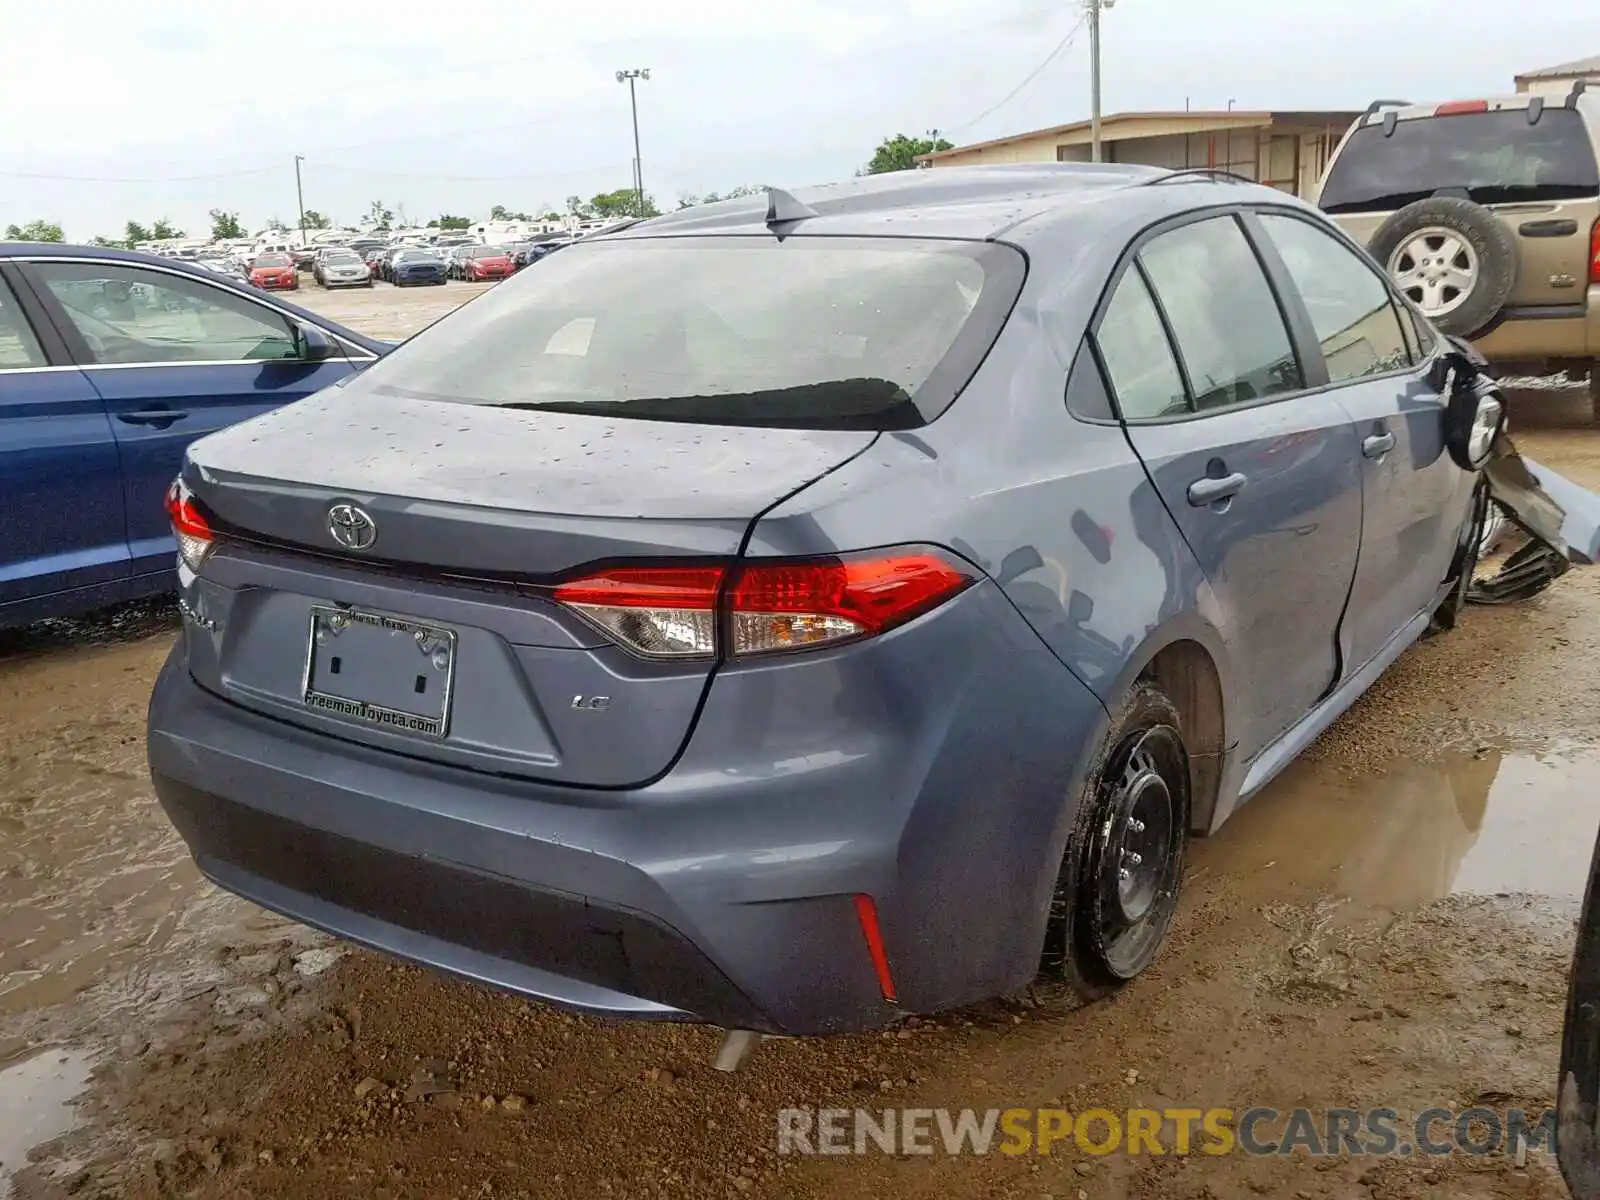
column 1472, row 824
column 36, row 1098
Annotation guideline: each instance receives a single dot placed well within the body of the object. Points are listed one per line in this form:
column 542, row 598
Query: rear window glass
column 809, row 332
column 1496, row 157
column 272, row 260
column 489, row 252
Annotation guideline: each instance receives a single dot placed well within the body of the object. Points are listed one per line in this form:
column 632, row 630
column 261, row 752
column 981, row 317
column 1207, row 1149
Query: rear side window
column 1138, row 356
column 18, row 346
column 1231, row 336
column 808, row 332
column 1496, row 157
column 1352, row 310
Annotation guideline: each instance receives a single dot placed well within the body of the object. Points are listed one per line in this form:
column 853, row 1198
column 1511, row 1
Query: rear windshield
column 1495, row 157
column 272, row 260
column 809, row 332
column 488, row 252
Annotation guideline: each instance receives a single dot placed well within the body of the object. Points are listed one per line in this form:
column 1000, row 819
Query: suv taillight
column 762, row 607
column 195, row 539
column 1594, row 254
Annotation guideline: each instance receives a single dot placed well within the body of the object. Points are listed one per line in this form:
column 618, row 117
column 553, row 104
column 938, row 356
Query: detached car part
column 1560, row 519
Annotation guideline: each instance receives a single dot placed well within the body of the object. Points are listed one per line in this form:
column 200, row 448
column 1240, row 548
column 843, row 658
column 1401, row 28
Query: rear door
column 1415, row 498
column 61, row 506
column 1261, row 475
column 174, row 358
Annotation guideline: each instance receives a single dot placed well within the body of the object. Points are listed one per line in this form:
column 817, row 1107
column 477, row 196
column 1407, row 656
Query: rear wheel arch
column 1186, row 672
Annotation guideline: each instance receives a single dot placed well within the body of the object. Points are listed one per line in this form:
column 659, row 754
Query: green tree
column 315, row 220
column 382, row 218
column 34, row 231
column 136, row 233
column 446, row 221
column 164, row 229
column 624, row 202
column 110, row 243
column 276, row 224
column 501, row 213
column 225, row 225
column 899, row 153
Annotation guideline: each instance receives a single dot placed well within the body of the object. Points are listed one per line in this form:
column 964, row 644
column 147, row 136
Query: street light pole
column 632, row 76
column 300, row 196
column 1094, row 7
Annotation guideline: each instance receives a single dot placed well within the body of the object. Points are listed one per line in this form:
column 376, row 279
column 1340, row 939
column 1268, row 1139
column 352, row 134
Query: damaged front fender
column 1561, row 521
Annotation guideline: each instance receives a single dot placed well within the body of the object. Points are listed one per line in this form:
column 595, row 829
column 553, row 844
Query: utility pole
column 300, row 196
column 638, row 163
column 933, row 145
column 1095, row 7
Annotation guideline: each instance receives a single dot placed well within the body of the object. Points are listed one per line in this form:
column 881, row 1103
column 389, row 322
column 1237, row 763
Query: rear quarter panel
column 1060, row 512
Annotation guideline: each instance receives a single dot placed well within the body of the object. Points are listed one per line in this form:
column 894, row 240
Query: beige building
column 1558, row 80
column 1288, row 150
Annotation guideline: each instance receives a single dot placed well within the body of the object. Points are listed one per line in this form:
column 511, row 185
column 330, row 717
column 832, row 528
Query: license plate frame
column 427, row 637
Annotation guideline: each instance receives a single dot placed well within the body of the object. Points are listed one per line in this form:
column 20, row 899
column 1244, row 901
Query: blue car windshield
column 809, row 332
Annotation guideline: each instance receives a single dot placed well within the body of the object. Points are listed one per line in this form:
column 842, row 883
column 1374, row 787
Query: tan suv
column 1486, row 213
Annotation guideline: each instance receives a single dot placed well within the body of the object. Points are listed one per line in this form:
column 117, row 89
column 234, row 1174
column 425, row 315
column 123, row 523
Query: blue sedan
column 111, row 363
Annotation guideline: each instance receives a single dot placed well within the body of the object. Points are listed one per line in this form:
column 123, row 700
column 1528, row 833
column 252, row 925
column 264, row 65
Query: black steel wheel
column 1117, row 889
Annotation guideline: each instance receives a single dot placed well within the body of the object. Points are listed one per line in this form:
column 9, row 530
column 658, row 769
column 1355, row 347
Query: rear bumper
column 725, row 891
column 1539, row 335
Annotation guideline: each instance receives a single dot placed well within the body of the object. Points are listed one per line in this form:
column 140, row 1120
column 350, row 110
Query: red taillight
column 680, row 612
column 1456, row 107
column 1594, row 254
column 194, row 535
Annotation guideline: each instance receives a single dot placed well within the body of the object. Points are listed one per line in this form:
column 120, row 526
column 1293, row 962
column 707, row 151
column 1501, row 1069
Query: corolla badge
column 352, row 527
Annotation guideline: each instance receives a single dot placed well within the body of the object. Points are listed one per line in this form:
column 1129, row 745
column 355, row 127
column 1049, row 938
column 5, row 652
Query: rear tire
column 1408, row 246
column 1594, row 389
column 1117, row 888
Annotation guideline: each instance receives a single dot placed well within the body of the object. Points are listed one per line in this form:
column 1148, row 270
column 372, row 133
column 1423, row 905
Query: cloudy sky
column 173, row 107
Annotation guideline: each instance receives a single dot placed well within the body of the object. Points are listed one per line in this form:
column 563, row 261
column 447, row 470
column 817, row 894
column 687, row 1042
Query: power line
column 1060, row 49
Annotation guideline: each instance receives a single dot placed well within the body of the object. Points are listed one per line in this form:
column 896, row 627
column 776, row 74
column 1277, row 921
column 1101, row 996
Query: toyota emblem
column 352, row 527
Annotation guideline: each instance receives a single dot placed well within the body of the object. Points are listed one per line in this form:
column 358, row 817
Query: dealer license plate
column 381, row 670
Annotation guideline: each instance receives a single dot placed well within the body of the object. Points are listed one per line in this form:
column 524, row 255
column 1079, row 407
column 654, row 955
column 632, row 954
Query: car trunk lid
column 441, row 638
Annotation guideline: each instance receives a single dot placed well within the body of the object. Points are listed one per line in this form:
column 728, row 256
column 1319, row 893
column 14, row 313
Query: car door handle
column 159, row 417
column 1210, row 490
column 1378, row 445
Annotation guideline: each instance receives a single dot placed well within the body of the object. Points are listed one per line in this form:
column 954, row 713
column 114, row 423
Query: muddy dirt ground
column 1388, row 925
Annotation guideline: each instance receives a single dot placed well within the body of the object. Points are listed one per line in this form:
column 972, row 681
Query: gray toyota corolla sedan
column 800, row 611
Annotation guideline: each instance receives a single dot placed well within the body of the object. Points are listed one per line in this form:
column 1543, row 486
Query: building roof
column 1114, row 126
column 1581, row 66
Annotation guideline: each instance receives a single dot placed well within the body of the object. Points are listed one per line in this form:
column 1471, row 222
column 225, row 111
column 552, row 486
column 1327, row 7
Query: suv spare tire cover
column 1489, row 239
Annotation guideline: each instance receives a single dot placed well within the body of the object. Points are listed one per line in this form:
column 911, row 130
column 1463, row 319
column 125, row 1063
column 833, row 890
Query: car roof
column 975, row 203
column 1586, row 103
column 177, row 266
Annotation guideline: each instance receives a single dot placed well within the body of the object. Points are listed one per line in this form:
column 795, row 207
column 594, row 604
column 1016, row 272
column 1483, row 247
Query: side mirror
column 315, row 344
column 1474, row 415
column 1578, row 1090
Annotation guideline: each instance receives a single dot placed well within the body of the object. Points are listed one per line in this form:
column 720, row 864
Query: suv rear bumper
column 720, row 893
column 1545, row 333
